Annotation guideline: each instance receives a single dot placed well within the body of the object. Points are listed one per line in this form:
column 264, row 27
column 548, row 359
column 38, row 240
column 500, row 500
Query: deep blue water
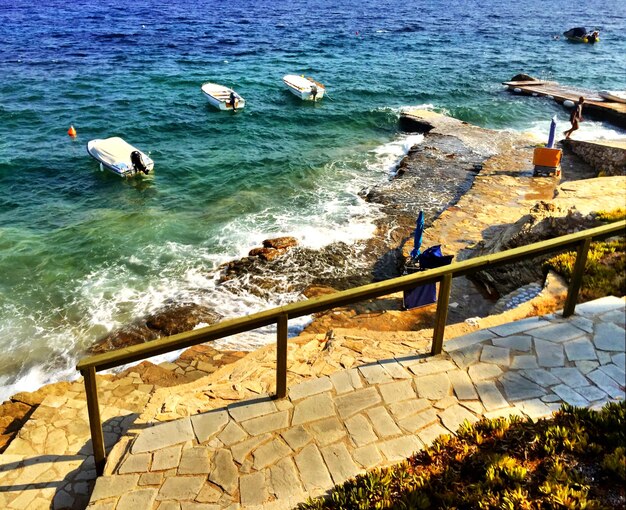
column 82, row 251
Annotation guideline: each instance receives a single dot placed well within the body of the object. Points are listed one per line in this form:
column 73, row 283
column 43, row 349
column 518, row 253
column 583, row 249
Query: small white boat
column 613, row 95
column 119, row 157
column 306, row 89
column 222, row 97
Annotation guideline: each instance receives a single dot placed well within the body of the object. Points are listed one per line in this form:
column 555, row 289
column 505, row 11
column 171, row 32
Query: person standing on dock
column 575, row 117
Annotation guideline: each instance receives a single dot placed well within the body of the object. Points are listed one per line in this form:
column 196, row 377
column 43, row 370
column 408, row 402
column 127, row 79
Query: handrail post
column 281, row 355
column 577, row 277
column 442, row 314
column 95, row 423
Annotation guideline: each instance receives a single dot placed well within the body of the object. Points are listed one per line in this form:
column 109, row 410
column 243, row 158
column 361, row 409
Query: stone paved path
column 272, row 454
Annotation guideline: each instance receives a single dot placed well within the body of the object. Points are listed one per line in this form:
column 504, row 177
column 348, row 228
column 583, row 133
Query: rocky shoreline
column 488, row 195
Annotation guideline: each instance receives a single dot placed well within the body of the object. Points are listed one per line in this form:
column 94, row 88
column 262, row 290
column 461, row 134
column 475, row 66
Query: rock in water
column 170, row 320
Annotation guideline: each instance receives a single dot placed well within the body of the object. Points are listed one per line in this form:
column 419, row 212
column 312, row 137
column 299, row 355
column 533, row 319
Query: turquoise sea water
column 82, row 251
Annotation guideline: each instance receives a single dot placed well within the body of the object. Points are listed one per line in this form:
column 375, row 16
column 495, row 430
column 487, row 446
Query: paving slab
column 571, row 376
column 163, row 435
column 558, row 333
column 400, row 448
column 249, row 409
column 383, row 424
column 465, row 341
column 375, row 373
column 496, row 355
column 453, row 417
column 284, row 480
column 580, row 349
column 327, row 431
column 346, row 380
column 513, row 328
column 310, row 387
column 266, row 423
column 432, row 366
column 517, row 387
column 397, row 391
column 600, row 306
column 355, row 402
column 367, row 456
column 549, row 354
column 252, row 489
column 570, row 396
column 490, row 395
column 524, row 362
column 609, row 337
column 614, row 372
column 462, row 385
column 206, row 425
column 433, row 387
column 606, row 384
column 395, row 369
column 313, row 408
column 313, row 470
column 340, row 464
column 483, row 371
column 521, row 343
column 268, row 453
column 360, row 430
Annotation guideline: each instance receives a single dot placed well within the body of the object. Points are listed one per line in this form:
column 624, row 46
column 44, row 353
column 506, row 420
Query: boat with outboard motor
column 222, row 97
column 120, row 157
column 580, row 34
column 306, row 89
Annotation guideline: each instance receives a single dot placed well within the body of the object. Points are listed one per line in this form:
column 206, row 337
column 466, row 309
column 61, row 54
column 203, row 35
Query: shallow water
column 82, row 252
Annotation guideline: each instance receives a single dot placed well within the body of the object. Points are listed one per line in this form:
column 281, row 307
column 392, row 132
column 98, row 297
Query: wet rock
column 171, row 320
column 266, row 253
column 280, row 243
column 314, row 291
column 523, row 77
column 180, row 318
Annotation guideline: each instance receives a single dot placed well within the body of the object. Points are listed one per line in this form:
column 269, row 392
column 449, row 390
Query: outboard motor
column 136, row 159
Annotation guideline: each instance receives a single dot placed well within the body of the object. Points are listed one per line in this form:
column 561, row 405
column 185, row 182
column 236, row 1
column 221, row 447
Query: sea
column 83, row 252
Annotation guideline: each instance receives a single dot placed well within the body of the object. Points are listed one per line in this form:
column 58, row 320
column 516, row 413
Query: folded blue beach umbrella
column 552, row 133
column 417, row 238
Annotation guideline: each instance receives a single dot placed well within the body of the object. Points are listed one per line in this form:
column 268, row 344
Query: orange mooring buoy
column 72, row 132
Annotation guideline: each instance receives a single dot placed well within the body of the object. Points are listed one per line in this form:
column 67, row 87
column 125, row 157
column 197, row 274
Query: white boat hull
column 218, row 96
column 114, row 154
column 301, row 87
column 610, row 95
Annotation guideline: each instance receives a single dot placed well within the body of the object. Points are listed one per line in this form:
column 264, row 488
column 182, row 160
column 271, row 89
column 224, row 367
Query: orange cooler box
column 547, row 157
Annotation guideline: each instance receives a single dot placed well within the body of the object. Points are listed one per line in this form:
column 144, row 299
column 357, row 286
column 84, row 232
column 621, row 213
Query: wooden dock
column 595, row 106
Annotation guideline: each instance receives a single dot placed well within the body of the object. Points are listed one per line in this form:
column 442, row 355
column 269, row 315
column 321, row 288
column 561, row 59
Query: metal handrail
column 281, row 315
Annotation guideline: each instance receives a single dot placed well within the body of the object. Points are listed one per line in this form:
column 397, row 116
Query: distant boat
column 120, row 157
column 580, row 34
column 220, row 96
column 613, row 95
column 306, row 89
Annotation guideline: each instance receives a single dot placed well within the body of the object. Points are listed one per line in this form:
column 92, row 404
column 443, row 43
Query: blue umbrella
column 419, row 230
column 552, row 132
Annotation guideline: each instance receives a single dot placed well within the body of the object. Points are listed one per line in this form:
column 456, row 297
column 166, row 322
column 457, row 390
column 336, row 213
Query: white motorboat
column 613, row 95
column 222, row 97
column 306, row 89
column 120, row 157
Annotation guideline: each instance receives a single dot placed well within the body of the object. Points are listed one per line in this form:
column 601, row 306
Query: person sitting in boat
column 314, row 91
column 138, row 164
column 233, row 100
column 594, row 37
